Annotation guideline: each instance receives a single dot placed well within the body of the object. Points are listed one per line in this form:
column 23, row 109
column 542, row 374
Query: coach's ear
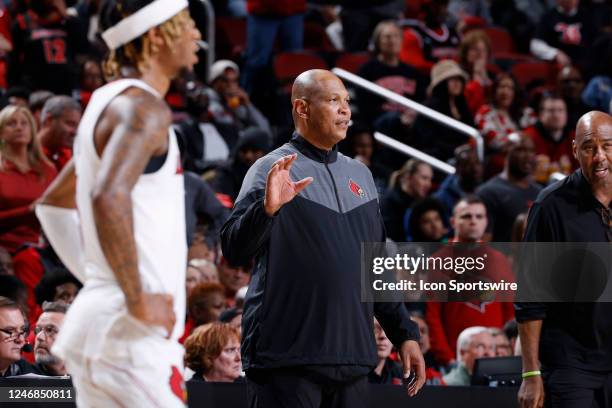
column 300, row 106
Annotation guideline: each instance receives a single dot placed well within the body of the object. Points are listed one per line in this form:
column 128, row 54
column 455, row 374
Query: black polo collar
column 313, row 152
column 586, row 199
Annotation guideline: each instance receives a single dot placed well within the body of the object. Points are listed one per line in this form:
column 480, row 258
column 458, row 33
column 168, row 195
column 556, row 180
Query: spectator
column 233, row 277
column 460, row 11
column 46, row 41
column 467, row 177
column 425, row 221
column 13, row 333
column 202, row 204
column 253, row 144
column 360, row 17
column 59, row 122
column 267, row 20
column 446, row 96
column 36, row 102
column 25, row 173
column 434, row 376
column 206, row 302
column 91, row 79
column 474, row 56
column 473, row 342
column 502, row 344
column 428, row 42
column 598, row 92
column 213, row 352
column 361, row 146
column 411, row 182
column 200, row 245
column 11, row 287
column 193, row 277
column 204, row 143
column 207, row 269
column 447, row 319
column 386, row 371
column 503, row 116
column 570, row 86
column 57, row 285
column 46, row 330
column 228, row 102
column 386, row 70
column 512, row 191
column 18, row 96
column 565, row 33
column 552, row 139
column 6, row 262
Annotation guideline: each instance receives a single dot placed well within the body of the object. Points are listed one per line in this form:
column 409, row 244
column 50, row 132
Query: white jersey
column 158, row 209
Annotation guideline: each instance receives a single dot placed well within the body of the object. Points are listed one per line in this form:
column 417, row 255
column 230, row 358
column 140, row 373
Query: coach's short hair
column 55, row 307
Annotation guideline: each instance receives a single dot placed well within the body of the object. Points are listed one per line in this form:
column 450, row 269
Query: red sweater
column 446, row 320
column 18, row 224
column 559, row 152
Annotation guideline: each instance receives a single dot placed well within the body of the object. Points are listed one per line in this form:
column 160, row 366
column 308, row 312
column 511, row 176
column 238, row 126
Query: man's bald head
column 308, row 83
column 593, row 149
column 590, row 122
column 320, row 107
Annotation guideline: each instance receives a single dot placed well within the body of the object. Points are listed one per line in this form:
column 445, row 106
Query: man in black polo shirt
column 573, row 341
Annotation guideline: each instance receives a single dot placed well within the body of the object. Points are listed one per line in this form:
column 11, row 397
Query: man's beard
column 47, row 359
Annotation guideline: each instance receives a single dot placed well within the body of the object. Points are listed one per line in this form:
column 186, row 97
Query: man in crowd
column 571, row 341
column 446, row 320
column 13, row 333
column 511, row 192
column 59, row 120
column 321, row 346
column 473, row 342
column 47, row 327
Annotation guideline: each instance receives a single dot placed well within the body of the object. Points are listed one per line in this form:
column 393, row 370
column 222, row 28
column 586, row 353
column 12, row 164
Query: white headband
column 135, row 25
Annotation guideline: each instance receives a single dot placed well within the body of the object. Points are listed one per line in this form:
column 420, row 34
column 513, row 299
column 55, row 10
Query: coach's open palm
column 280, row 189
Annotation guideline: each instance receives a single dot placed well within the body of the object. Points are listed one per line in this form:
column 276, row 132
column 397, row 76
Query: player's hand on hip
column 531, row 393
column 155, row 309
column 413, row 366
column 280, row 189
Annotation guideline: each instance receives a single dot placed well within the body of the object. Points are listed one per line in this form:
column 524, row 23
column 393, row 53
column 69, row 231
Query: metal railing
column 210, row 36
column 422, row 109
column 412, row 152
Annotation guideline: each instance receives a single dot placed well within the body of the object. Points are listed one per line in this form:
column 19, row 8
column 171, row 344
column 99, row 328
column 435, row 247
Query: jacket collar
column 313, row 152
column 586, row 199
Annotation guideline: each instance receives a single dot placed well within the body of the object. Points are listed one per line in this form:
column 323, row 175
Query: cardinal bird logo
column 358, row 191
column 177, row 385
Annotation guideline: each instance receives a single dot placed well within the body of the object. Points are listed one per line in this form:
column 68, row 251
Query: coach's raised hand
column 280, row 189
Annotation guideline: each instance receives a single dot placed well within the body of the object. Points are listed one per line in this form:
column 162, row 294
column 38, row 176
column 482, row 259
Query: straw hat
column 444, row 70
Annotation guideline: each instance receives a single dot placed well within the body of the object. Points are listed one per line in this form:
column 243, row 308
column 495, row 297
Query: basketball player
column 119, row 337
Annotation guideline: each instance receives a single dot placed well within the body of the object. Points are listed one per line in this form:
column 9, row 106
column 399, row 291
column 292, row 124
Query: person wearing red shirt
column 447, row 320
column 553, row 142
column 59, row 120
column 25, row 173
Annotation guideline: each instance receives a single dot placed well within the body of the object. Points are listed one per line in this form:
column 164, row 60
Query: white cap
column 218, row 68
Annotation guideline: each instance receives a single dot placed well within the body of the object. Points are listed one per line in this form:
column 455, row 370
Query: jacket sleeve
column 248, row 228
column 539, row 229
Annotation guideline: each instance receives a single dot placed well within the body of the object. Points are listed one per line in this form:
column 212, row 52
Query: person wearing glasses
column 567, row 347
column 13, row 333
column 46, row 330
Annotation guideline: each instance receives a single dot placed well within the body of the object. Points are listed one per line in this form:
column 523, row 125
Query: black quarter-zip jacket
column 303, row 306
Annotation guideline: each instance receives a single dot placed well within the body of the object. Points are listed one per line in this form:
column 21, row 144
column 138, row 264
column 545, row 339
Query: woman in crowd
column 213, row 352
column 446, row 96
column 474, row 55
column 496, row 121
column 25, row 173
column 425, row 221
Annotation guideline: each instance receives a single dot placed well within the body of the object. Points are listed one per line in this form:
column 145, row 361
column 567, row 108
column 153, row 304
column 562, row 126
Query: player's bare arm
column 62, row 192
column 133, row 129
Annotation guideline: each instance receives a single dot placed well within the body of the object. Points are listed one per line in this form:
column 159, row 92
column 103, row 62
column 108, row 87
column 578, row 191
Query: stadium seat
column 533, row 73
column 230, row 37
column 352, row 61
column 315, row 37
column 288, row 65
column 501, row 40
